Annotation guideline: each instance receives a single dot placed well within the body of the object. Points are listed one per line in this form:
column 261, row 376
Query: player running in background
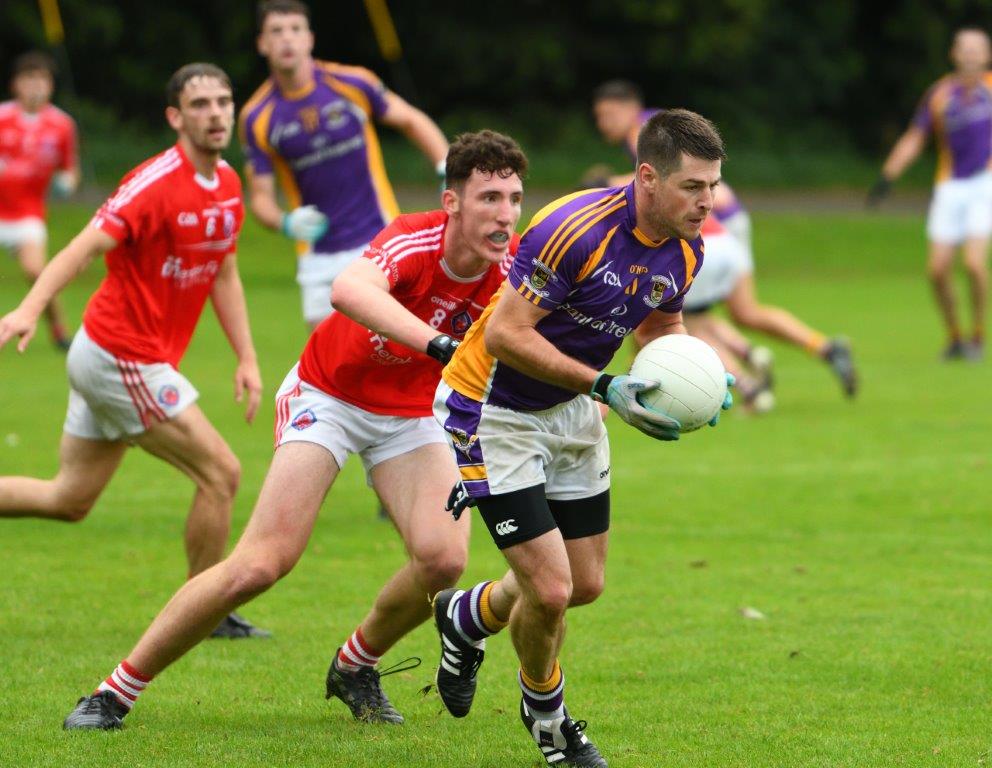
column 169, row 235
column 364, row 385
column 529, row 440
column 38, row 149
column 957, row 109
column 620, row 112
column 311, row 125
column 727, row 277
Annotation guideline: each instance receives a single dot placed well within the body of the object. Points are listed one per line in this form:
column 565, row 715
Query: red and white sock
column 357, row 653
column 126, row 682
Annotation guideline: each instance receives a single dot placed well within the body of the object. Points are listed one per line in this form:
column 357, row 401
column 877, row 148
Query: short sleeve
column 398, row 256
column 126, row 215
column 369, row 88
column 693, row 254
column 547, row 262
column 255, row 141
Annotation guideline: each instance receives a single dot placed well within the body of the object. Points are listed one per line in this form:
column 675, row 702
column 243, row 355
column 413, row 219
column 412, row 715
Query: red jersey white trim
column 172, row 235
column 33, row 146
column 357, row 365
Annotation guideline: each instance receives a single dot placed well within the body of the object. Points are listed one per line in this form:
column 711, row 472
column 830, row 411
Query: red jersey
column 173, row 229
column 352, row 363
column 33, row 146
column 712, row 227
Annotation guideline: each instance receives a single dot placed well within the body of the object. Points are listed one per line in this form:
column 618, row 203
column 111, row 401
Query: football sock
column 473, row 616
column 816, row 343
column 126, row 682
column 546, row 701
column 357, row 653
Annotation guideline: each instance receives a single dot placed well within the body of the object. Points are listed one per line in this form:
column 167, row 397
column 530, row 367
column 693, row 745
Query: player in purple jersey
column 519, row 402
column 311, row 126
column 620, row 112
column 957, row 110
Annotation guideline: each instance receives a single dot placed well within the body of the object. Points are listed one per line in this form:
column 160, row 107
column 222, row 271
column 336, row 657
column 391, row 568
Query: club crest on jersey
column 168, row 395
column 659, row 284
column 228, row 223
column 460, row 323
column 539, row 278
column 303, row 420
column 462, row 439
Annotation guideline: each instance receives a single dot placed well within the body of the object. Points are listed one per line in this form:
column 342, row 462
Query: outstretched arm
column 361, row 292
column 904, row 153
column 228, row 298
column 417, row 127
column 66, row 264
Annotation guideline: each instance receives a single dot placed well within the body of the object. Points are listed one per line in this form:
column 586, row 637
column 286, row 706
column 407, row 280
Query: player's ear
column 647, row 175
column 450, row 201
column 174, row 117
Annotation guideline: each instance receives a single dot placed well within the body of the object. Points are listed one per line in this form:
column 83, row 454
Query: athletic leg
column 191, row 444
column 746, row 310
column 414, row 487
column 85, row 468
column 272, row 543
column 939, row 263
column 976, row 263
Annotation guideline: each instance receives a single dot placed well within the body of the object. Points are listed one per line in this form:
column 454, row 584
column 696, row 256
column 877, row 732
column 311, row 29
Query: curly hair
column 485, row 151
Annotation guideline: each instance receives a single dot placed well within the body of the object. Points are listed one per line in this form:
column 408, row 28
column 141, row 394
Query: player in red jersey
column 37, row 150
column 364, row 385
column 169, row 234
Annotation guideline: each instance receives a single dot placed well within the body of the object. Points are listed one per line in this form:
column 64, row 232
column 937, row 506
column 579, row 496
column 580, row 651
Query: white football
column 693, row 380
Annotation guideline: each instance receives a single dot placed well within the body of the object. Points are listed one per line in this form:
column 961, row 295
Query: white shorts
column 315, row 272
column 739, row 225
column 961, row 209
column 725, row 262
column 14, row 234
column 306, row 414
column 499, row 450
column 113, row 399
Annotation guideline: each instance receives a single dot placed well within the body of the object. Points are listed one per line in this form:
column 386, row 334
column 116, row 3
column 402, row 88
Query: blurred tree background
column 805, row 93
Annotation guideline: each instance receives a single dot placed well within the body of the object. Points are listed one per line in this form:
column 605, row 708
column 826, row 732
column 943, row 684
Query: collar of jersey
column 299, row 93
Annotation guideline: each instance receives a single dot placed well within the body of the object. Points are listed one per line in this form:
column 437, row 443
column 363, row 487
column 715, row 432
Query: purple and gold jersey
column 961, row 122
column 321, row 144
column 583, row 259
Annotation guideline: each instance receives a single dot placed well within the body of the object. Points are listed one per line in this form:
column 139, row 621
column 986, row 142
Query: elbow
column 494, row 340
column 341, row 294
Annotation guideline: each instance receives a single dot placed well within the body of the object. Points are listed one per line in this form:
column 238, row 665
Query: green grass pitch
column 860, row 530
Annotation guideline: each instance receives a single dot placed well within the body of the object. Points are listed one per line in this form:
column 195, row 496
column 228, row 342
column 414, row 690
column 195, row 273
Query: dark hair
column 186, row 73
column 671, row 132
column 617, row 90
column 484, row 151
column 33, row 61
column 265, row 7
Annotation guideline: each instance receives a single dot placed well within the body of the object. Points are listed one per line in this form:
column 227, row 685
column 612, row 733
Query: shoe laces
column 469, row 660
column 102, row 703
column 368, row 677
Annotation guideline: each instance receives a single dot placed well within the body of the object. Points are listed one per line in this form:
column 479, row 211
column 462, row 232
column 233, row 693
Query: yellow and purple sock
column 546, row 701
column 473, row 616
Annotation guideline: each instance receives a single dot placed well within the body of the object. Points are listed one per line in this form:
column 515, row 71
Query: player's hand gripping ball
column 694, row 386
